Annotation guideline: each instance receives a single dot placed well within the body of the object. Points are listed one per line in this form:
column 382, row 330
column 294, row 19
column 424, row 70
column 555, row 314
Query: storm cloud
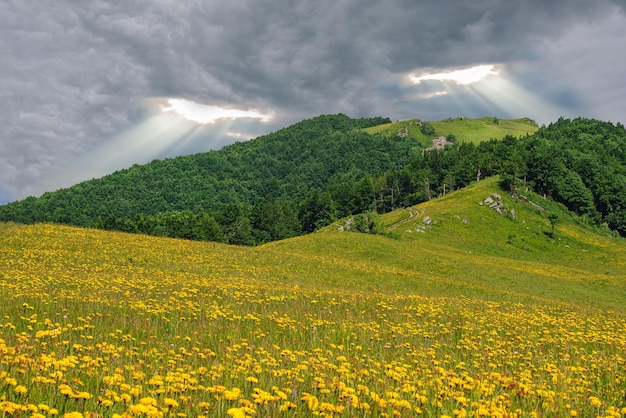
column 81, row 80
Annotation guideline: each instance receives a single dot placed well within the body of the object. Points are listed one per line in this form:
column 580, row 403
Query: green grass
column 464, row 129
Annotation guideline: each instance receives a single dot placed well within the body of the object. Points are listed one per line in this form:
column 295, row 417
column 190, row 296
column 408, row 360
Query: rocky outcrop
column 494, row 202
column 439, row 143
column 402, row 132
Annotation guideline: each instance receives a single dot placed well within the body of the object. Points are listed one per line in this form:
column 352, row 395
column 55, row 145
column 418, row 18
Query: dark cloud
column 75, row 73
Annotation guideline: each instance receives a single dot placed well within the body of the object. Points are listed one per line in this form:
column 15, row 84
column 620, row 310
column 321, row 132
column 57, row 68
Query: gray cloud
column 75, row 75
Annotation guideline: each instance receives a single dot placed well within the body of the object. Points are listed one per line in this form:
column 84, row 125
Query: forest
column 306, row 176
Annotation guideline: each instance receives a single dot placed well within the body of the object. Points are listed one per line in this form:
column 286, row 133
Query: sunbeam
column 140, row 144
column 515, row 101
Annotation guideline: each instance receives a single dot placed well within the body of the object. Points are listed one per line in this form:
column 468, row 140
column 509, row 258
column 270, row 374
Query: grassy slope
column 464, row 129
column 489, row 257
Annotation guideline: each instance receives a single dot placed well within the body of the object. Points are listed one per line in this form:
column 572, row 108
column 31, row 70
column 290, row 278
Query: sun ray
column 517, row 101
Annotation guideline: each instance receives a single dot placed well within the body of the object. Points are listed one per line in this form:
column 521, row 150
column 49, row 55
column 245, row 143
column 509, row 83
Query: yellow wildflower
column 236, row 413
column 172, row 403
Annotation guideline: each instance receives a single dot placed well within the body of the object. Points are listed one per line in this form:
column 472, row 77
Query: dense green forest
column 303, row 177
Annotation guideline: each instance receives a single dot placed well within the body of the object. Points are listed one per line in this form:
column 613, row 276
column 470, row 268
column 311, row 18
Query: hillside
column 458, row 245
column 491, row 316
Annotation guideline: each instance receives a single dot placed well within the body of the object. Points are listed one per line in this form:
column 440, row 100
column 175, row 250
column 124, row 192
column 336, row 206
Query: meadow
column 464, row 129
column 484, row 318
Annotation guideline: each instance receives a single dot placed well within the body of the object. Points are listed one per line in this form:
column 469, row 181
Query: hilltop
column 460, row 128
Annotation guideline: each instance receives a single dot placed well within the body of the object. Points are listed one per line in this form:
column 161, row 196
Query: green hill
column 328, row 153
column 289, row 163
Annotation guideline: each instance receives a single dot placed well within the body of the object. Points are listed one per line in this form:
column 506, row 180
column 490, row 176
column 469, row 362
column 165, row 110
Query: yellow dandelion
column 232, row 395
column 236, row 413
column 594, row 401
column 311, row 401
column 82, row 395
column 287, row 406
column 137, row 409
column 66, row 390
column 148, row 401
column 172, row 403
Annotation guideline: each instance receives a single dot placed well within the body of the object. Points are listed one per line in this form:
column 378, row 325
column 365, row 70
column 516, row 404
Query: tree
column 207, row 228
column 234, row 218
column 273, row 219
column 427, row 129
column 316, row 211
column 368, row 222
column 554, row 219
column 422, row 181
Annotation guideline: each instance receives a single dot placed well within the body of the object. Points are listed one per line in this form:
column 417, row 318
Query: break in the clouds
column 202, row 113
column 462, row 76
column 84, row 84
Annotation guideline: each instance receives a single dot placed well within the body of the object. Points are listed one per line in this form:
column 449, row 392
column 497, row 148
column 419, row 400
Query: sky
column 88, row 87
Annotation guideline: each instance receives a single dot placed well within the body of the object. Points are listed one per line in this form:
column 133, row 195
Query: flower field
column 98, row 324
